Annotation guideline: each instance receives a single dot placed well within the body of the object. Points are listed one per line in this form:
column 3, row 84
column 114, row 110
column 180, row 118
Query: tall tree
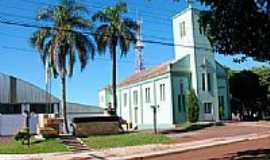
column 238, row 27
column 114, row 31
column 249, row 97
column 60, row 43
column 264, row 76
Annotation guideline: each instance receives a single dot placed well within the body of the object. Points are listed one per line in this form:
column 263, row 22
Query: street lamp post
column 155, row 107
column 27, row 123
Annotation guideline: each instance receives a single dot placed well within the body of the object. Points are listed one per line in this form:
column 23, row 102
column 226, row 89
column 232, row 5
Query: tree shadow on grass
column 36, row 142
column 193, row 127
column 259, row 154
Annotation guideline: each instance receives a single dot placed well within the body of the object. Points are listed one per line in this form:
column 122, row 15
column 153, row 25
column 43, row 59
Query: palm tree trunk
column 114, row 78
column 63, row 101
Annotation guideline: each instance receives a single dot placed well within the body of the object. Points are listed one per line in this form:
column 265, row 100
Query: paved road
column 229, row 130
column 247, row 150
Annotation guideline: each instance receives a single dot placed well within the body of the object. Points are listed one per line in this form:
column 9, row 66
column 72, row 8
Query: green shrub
column 192, row 107
column 23, row 135
column 221, row 112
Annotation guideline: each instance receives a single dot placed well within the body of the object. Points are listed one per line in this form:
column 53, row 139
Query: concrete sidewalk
column 157, row 150
column 136, row 152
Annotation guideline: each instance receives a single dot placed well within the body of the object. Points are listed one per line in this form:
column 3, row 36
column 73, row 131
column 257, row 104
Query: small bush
column 221, row 112
column 23, row 135
column 192, row 107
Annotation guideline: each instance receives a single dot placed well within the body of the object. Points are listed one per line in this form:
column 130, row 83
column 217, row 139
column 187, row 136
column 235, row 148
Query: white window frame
column 147, row 95
column 125, row 99
column 182, row 29
column 135, row 97
column 162, row 92
column 208, row 108
column 101, row 98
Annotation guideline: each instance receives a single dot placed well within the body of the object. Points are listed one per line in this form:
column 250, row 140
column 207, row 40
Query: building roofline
column 32, row 85
column 184, row 11
column 168, row 63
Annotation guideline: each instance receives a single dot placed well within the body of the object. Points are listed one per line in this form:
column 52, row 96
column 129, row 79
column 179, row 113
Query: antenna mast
column 138, row 49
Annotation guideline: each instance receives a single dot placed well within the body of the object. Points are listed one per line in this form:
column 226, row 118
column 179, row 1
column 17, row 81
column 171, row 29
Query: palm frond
column 121, row 7
column 39, row 38
column 131, row 24
column 101, row 17
column 79, row 9
column 102, row 37
column 126, row 39
column 84, row 47
column 80, row 22
column 46, row 14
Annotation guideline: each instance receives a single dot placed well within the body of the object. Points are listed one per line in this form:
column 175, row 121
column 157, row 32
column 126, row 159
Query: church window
column 181, row 88
column 203, row 81
column 181, row 98
column 182, row 29
column 147, row 95
column 162, row 92
column 208, row 82
column 182, row 102
column 135, row 98
column 101, row 99
column 125, row 99
column 207, row 108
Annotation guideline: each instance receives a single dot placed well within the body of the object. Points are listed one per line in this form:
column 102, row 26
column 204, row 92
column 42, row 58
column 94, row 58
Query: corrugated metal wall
column 4, row 88
column 13, row 90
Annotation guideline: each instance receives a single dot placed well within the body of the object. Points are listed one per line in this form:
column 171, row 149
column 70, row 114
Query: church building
column 168, row 84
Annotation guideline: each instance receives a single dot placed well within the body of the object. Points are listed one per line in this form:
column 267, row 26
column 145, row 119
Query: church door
column 136, row 115
column 208, row 111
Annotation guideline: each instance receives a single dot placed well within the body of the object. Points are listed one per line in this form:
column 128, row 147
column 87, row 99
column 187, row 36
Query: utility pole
column 154, row 107
column 27, row 123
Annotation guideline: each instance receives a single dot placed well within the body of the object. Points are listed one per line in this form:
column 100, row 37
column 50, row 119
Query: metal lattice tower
column 139, row 49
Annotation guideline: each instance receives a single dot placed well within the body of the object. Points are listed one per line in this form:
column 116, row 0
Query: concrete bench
column 101, row 125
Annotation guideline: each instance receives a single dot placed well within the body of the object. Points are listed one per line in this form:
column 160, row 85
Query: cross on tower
column 189, row 2
column 205, row 66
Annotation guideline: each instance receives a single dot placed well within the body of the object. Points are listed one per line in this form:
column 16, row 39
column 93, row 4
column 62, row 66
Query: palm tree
column 64, row 41
column 114, row 30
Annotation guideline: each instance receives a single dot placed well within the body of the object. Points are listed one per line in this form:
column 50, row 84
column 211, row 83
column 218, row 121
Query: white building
column 167, row 85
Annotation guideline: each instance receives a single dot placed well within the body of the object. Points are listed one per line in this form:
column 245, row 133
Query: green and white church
column 168, row 84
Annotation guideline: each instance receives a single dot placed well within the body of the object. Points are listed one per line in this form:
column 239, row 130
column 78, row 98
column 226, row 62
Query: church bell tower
column 190, row 41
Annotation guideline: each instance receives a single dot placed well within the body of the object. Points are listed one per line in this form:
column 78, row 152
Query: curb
column 191, row 148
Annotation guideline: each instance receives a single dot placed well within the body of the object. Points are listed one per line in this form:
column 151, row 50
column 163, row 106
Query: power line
column 133, row 3
column 95, row 6
column 26, row 25
column 168, row 39
column 144, row 35
column 96, row 58
column 157, row 19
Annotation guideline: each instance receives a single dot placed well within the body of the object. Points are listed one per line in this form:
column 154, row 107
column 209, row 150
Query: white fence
column 11, row 124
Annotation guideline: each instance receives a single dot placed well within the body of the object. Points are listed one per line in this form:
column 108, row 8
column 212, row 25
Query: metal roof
column 14, row 90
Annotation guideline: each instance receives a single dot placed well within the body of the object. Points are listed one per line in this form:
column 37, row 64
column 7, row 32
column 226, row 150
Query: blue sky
column 17, row 58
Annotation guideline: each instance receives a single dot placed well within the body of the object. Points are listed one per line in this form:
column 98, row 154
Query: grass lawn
column 10, row 146
column 122, row 140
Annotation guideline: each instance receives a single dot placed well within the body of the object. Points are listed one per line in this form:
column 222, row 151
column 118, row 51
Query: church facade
column 168, row 84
